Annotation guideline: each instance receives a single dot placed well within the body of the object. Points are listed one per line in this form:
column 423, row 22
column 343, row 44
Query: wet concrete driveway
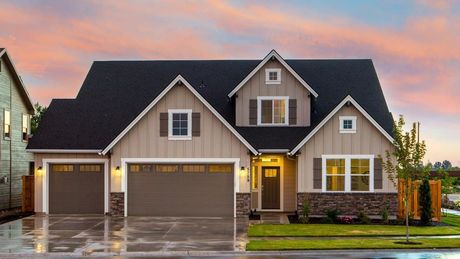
column 98, row 234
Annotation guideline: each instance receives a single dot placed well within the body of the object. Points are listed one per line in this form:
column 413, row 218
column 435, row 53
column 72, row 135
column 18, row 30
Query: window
column 347, row 124
column 193, row 168
column 255, row 178
column 220, row 168
column 25, row 127
column 348, row 173
column 273, row 76
column 62, row 168
column 272, row 110
column 6, row 124
column 90, row 168
column 167, row 168
column 180, row 127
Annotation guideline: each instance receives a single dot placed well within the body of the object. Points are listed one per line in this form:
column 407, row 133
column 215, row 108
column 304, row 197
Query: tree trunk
column 406, row 205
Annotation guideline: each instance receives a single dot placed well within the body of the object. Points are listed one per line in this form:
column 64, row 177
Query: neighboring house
column 15, row 111
column 217, row 138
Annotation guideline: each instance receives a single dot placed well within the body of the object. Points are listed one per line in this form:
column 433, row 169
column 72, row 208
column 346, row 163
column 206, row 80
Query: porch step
column 274, row 218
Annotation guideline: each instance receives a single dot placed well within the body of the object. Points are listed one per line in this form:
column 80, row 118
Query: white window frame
column 353, row 121
column 348, row 172
column 170, row 124
column 5, row 111
column 267, row 76
column 27, row 117
column 259, row 110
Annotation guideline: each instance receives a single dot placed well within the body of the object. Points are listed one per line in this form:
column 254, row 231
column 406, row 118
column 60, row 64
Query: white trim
column 274, row 54
column 348, row 175
column 235, row 161
column 45, row 177
column 170, row 124
column 332, row 113
column 353, row 124
column 271, row 98
column 178, row 79
column 267, row 76
column 96, row 151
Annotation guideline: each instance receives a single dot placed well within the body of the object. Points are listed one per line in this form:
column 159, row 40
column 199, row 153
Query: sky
column 414, row 44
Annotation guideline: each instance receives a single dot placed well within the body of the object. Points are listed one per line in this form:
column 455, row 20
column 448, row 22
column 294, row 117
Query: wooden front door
column 270, row 188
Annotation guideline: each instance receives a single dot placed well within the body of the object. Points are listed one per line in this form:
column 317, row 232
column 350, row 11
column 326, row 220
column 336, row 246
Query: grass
column 334, row 230
column 452, row 220
column 318, row 244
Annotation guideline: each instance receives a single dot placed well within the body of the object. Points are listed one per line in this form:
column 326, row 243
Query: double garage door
column 180, row 189
column 153, row 189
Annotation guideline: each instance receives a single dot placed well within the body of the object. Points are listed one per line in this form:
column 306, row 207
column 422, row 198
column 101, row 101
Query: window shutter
column 292, row 111
column 317, row 173
column 196, row 124
column 378, row 173
column 163, row 124
column 253, row 112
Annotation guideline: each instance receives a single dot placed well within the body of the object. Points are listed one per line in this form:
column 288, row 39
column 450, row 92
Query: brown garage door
column 180, row 190
column 76, row 189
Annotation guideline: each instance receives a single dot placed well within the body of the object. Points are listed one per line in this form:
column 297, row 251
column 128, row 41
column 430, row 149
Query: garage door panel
column 180, row 194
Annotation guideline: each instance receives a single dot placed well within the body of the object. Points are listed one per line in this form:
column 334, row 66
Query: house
column 16, row 109
column 217, row 138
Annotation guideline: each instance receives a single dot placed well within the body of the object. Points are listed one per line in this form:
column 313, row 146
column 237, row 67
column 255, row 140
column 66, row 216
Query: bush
column 457, row 203
column 304, row 218
column 425, row 206
column 385, row 215
column 331, row 215
column 363, row 218
column 345, row 220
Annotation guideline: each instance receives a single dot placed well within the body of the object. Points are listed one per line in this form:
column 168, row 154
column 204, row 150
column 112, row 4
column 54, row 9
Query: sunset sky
column 415, row 45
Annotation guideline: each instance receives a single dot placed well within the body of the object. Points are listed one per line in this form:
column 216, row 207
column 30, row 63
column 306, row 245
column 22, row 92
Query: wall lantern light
column 40, row 170
column 243, row 172
column 117, row 170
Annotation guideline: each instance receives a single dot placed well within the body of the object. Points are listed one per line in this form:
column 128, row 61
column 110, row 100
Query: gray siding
column 20, row 159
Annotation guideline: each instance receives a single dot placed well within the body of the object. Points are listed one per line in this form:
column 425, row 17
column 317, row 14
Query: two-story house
column 15, row 111
column 217, row 138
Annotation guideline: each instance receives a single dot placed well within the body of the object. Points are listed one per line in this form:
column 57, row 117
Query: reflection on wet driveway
column 90, row 234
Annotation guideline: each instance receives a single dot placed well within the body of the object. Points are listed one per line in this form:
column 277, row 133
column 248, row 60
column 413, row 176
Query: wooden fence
column 28, row 193
column 435, row 188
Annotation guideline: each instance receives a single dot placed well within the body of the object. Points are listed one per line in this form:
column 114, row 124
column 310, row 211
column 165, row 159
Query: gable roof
column 22, row 89
column 114, row 93
column 272, row 54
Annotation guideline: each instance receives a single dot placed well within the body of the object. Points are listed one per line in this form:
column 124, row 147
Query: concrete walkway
column 455, row 212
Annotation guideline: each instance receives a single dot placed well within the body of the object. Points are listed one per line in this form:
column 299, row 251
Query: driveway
column 86, row 235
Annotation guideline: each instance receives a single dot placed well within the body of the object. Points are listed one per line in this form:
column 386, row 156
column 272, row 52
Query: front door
column 270, row 188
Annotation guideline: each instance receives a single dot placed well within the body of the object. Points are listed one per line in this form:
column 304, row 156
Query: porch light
column 243, row 172
column 117, row 171
column 39, row 171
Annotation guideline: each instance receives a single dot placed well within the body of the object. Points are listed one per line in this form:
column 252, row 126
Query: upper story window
column 25, row 127
column 273, row 76
column 347, row 124
column 272, row 110
column 348, row 173
column 180, row 127
column 6, row 124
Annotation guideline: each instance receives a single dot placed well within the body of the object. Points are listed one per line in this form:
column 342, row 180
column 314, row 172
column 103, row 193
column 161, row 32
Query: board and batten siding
column 20, row 159
column 144, row 141
column 367, row 140
column 256, row 87
column 38, row 158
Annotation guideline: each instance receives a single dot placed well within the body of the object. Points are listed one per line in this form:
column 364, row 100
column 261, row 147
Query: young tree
column 426, row 208
column 405, row 162
column 37, row 117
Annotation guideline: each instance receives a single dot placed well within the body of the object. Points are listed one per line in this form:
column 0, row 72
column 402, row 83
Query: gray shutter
column 163, row 124
column 317, row 173
column 253, row 112
column 196, row 126
column 292, row 111
column 378, row 173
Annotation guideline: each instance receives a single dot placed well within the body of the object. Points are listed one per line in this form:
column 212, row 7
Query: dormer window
column 273, row 76
column 347, row 124
column 272, row 110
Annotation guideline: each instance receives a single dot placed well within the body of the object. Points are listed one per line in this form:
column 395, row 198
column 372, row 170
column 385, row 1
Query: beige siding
column 289, row 173
column 144, row 141
column 289, row 87
column 38, row 157
column 328, row 140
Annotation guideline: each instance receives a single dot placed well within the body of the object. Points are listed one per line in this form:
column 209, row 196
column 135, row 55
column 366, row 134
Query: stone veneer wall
column 117, row 203
column 243, row 204
column 349, row 203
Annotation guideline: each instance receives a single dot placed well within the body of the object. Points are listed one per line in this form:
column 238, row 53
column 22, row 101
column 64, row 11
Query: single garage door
column 190, row 190
column 76, row 189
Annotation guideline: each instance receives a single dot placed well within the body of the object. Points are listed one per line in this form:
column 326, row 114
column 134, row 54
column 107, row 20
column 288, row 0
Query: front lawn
column 335, row 230
column 319, row 244
column 452, row 220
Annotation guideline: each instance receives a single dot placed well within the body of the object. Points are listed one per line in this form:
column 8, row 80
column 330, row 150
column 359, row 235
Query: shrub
column 331, row 215
column 457, row 203
column 345, row 220
column 363, row 218
column 385, row 215
column 304, row 218
column 425, row 206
